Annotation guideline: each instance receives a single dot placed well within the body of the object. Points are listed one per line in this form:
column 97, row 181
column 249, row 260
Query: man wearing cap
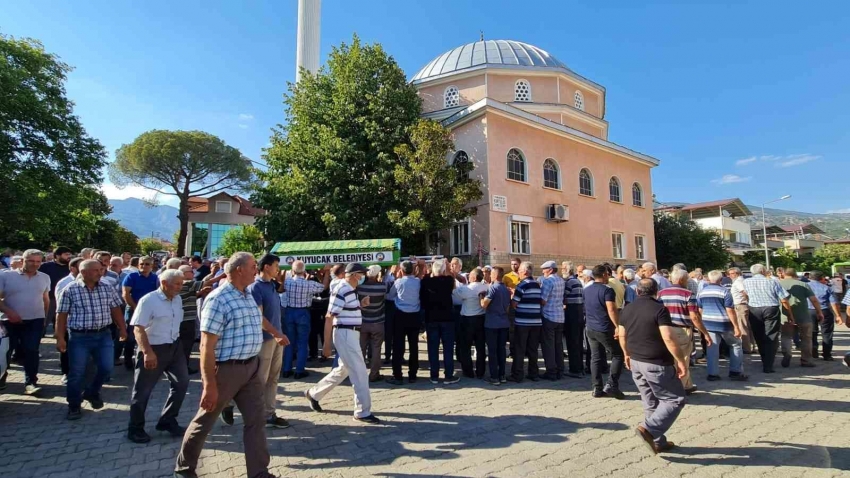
column 344, row 312
column 552, row 299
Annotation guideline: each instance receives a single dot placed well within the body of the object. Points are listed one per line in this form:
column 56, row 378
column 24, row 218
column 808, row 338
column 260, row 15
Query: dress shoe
column 395, row 381
column 738, row 377
column 172, row 428
column 598, row 393
column 185, row 474
column 713, row 378
column 314, row 404
column 370, row 419
column 300, row 375
column 74, row 413
column 277, row 422
column 286, row 374
column 665, row 447
column 138, row 436
column 94, row 400
column 614, row 393
column 691, row 391
column 786, row 361
column 807, row 364
column 647, row 438
column 227, row 416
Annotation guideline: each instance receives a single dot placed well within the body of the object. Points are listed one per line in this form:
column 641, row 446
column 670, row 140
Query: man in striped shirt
column 527, row 304
column 573, row 320
column 372, row 332
column 718, row 314
column 344, row 313
column 681, row 302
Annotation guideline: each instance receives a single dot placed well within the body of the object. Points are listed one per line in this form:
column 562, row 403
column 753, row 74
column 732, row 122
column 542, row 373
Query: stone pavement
column 792, row 423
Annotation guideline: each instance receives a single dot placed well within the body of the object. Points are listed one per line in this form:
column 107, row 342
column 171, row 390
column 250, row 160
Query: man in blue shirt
column 828, row 301
column 496, row 325
column 718, row 316
column 135, row 286
column 406, row 323
column 552, row 294
column 528, row 324
column 600, row 310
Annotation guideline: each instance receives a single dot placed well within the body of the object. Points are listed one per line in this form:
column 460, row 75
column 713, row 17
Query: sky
column 746, row 99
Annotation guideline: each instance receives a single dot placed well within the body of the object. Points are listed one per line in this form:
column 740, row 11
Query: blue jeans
column 736, row 353
column 26, row 336
column 80, row 346
column 441, row 332
column 296, row 326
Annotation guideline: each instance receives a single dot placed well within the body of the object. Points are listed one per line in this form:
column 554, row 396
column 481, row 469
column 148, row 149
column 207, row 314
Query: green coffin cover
column 338, row 251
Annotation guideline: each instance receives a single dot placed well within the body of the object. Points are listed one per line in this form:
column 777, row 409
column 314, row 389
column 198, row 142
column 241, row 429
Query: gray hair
column 680, row 266
column 736, row 270
column 32, row 252
column 458, row 260
column 298, row 267
column 238, row 259
column 647, row 287
column 373, row 271
column 117, row 260
column 88, row 264
column 528, row 266
column 757, row 269
column 438, row 267
column 678, row 275
column 629, row 274
column 650, row 267
column 567, row 267
column 817, row 276
column 185, row 268
column 173, row 264
column 715, row 276
column 171, row 276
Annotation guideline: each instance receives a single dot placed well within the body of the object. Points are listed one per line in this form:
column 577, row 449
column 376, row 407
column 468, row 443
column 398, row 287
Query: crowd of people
column 257, row 323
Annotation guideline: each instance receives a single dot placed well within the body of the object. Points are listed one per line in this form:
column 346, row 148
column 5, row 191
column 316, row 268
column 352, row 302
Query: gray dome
column 489, row 52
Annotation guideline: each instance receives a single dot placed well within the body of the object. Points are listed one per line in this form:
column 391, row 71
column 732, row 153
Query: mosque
column 554, row 186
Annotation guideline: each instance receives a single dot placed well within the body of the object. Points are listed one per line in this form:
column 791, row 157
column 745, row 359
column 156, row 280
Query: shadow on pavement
column 772, row 454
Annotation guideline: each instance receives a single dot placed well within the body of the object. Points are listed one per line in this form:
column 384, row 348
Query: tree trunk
column 183, row 216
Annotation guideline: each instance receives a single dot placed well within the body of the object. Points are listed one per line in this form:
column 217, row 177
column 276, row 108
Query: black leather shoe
column 173, row 429
column 227, row 415
column 286, row 374
column 314, row 404
column 74, row 413
column 185, row 474
column 370, row 419
column 94, row 400
column 300, row 375
column 138, row 436
column 786, row 361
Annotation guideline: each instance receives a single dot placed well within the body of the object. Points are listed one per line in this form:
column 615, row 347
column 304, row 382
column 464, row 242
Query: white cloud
column 744, row 162
column 797, row 159
column 112, row 191
column 730, row 179
column 839, row 211
column 779, row 161
column 245, row 117
column 243, row 126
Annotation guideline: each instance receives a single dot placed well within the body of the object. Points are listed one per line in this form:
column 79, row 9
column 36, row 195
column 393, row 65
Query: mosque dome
column 489, row 53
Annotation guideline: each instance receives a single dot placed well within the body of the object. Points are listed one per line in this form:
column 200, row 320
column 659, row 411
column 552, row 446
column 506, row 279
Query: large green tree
column 245, row 238
column 679, row 239
column 50, row 166
column 332, row 166
column 181, row 164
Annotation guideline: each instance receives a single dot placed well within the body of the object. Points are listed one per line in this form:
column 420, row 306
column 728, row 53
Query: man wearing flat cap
column 344, row 313
column 552, row 300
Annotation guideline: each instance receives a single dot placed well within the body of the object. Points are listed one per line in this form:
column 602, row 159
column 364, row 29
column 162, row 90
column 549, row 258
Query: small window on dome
column 579, row 100
column 522, row 92
column 451, row 97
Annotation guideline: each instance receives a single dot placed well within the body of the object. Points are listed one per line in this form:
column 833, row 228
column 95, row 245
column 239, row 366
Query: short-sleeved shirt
column 496, row 316
column 88, row 309
column 56, row 272
column 469, row 295
column 738, row 291
column 344, row 306
column 642, row 320
column 266, row 296
column 800, row 293
column 596, row 296
column 764, row 292
column 62, row 284
column 619, row 292
column 189, row 296
column 662, row 281
column 552, row 291
column 140, row 285
column 24, row 294
column 300, row 291
column 680, row 302
column 824, row 294
column 160, row 317
column 377, row 294
column 234, row 317
column 405, row 293
column 528, row 308
column 714, row 299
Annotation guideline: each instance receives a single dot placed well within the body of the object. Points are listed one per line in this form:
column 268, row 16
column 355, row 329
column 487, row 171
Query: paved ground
column 793, row 423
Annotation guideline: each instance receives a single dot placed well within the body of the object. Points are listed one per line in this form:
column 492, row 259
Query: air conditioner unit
column 557, row 213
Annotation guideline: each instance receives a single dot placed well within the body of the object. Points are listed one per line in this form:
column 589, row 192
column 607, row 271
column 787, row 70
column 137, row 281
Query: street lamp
column 764, row 226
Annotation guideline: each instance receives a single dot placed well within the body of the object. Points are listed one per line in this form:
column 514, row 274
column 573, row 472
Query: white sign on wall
column 500, row 203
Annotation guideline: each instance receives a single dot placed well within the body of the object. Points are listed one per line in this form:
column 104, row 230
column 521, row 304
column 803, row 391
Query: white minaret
column 307, row 54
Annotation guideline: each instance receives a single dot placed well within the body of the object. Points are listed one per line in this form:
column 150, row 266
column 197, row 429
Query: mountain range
column 143, row 220
column 834, row 225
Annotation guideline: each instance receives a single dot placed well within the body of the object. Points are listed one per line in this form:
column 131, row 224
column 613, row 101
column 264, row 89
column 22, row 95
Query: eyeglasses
column 147, row 263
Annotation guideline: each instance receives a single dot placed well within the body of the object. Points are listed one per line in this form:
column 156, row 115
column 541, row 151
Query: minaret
column 307, row 54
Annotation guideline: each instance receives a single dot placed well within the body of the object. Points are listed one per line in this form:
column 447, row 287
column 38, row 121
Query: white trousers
column 351, row 364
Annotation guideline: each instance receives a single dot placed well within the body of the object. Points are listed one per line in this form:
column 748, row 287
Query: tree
column 430, row 193
column 49, row 164
column 679, row 239
column 331, row 165
column 181, row 164
column 149, row 244
column 828, row 255
column 113, row 237
column 245, row 238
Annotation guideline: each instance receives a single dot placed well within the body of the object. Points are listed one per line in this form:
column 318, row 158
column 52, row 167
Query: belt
column 350, row 327
column 308, row 307
column 238, row 361
column 90, row 331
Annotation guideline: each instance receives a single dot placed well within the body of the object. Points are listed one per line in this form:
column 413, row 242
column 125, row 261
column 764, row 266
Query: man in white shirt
column 157, row 319
column 471, row 324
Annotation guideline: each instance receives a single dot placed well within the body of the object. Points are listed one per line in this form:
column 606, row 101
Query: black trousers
column 471, row 332
column 765, row 323
column 527, row 339
column 187, row 338
column 389, row 315
column 553, row 348
column 600, row 344
column 171, row 361
column 317, row 332
column 497, row 341
column 827, row 329
column 574, row 333
column 406, row 331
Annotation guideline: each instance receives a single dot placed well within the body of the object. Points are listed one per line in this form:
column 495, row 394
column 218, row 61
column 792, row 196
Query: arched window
column 522, row 91
column 451, row 97
column 461, row 163
column 516, row 165
column 585, row 182
column 637, row 195
column 614, row 190
column 579, row 100
column 551, row 174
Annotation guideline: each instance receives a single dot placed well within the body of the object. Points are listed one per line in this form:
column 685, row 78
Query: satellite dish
column 727, row 213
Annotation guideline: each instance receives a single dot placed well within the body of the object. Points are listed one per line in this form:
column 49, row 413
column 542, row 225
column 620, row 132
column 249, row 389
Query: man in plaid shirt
column 764, row 298
column 296, row 324
column 85, row 309
column 552, row 294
